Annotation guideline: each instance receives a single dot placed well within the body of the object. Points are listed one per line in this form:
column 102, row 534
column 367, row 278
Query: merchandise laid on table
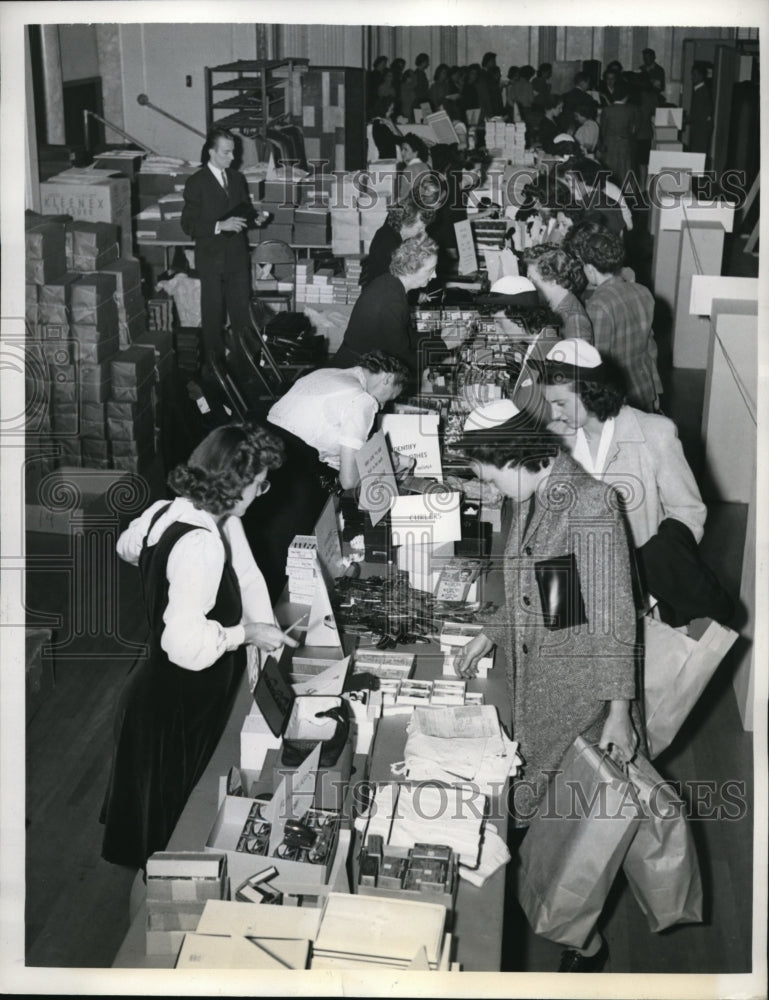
column 365, row 777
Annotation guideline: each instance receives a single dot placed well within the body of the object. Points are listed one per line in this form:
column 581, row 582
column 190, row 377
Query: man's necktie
column 224, row 181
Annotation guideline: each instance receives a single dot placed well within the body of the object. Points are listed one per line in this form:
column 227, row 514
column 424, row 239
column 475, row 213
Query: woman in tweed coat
column 579, row 676
column 568, row 622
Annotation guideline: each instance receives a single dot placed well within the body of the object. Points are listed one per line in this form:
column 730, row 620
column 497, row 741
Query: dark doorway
column 79, row 96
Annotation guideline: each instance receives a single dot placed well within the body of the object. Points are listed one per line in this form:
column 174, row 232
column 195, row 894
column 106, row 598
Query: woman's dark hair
column 439, row 69
column 579, row 234
column 419, row 147
column 605, row 251
column 533, row 318
column 406, row 213
column 602, row 399
column 527, row 71
column 412, row 254
column 378, row 361
column 557, row 264
column 514, row 73
column 531, row 449
column 224, row 463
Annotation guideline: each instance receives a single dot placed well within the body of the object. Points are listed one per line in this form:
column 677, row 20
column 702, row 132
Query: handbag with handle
column 575, row 845
column 661, row 863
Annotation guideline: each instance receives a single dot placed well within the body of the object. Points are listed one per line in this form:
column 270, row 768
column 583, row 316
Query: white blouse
column 581, row 451
column 194, row 571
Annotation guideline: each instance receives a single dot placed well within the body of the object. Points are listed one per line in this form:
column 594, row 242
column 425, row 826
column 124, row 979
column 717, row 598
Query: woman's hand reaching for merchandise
column 267, row 637
column 466, row 663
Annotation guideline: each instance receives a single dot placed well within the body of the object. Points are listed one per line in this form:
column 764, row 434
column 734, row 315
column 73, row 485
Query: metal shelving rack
column 263, row 93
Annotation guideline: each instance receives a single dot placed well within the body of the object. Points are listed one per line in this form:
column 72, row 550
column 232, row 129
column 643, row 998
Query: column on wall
column 111, row 73
column 32, row 185
column 52, row 84
column 625, row 47
column 610, row 45
column 577, row 43
column 448, row 47
column 548, row 37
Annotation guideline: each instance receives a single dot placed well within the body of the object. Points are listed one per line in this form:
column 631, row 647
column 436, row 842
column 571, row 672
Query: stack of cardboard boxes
column 178, row 886
column 84, row 304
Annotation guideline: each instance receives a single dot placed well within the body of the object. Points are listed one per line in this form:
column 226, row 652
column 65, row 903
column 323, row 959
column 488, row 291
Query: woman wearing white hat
column 639, row 453
column 568, row 621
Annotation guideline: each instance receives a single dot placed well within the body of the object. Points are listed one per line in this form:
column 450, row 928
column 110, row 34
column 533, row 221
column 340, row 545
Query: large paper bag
column 677, row 669
column 575, row 845
column 661, row 863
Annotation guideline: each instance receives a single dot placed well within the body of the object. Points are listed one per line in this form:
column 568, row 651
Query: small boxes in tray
column 426, row 872
column 241, row 832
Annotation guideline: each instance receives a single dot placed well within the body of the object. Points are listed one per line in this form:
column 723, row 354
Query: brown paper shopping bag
column 661, row 863
column 576, row 844
column 677, row 669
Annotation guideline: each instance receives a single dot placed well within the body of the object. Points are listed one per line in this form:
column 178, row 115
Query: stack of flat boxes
column 158, row 177
column 301, row 568
column 281, row 196
column 508, row 139
column 325, row 286
column 305, row 288
column 311, row 224
column 322, row 287
column 178, row 886
column 352, row 272
column 131, row 309
column 170, row 226
column 103, row 415
column 96, row 339
column 668, row 123
column 45, row 263
column 130, row 409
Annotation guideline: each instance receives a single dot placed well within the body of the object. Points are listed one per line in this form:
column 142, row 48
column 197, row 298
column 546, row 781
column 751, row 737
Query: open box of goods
column 288, row 722
column 415, row 838
column 362, row 932
column 308, row 853
column 424, row 871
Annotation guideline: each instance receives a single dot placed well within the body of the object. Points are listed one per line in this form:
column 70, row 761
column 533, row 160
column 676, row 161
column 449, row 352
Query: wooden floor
column 77, row 904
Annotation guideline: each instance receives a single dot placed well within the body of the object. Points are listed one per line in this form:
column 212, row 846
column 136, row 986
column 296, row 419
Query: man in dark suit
column 221, row 244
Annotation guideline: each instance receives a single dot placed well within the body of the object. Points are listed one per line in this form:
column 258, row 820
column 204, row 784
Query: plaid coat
column 621, row 313
column 576, row 322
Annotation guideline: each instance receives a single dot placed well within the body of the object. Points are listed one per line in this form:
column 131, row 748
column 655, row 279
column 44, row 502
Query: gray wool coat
column 560, row 680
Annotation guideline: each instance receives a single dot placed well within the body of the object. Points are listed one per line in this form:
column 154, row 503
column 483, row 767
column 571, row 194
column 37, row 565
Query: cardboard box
column 91, row 195
column 43, row 237
column 45, row 270
column 132, row 367
column 295, row 877
column 256, row 739
column 214, row 951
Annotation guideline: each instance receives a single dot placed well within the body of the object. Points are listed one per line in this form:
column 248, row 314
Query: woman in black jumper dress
column 205, row 599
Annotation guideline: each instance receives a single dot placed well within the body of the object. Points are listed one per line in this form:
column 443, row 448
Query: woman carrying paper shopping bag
column 568, row 622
